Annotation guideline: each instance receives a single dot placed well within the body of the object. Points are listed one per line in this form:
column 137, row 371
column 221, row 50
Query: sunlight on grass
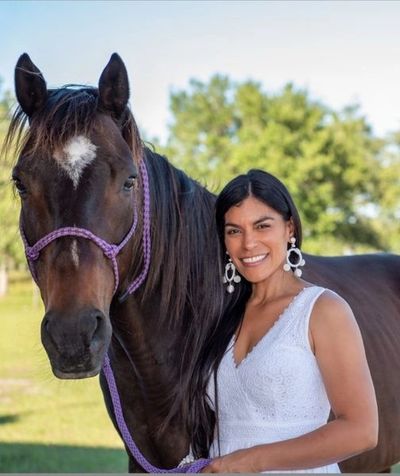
column 54, row 421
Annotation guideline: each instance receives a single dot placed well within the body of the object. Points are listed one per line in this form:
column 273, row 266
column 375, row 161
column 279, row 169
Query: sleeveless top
column 276, row 392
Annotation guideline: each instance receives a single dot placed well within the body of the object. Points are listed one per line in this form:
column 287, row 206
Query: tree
column 11, row 250
column 387, row 215
column 329, row 160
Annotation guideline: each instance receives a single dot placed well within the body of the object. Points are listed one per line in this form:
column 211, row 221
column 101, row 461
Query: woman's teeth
column 254, row 259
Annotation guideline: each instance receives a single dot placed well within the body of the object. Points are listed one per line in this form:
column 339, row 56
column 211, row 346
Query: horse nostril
column 47, row 329
column 46, row 324
column 99, row 327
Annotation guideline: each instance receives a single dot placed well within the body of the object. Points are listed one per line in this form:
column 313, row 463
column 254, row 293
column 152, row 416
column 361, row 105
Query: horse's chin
column 76, row 375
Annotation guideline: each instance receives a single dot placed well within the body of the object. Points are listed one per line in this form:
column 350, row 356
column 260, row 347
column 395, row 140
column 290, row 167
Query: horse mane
column 68, row 111
column 185, row 274
column 185, row 253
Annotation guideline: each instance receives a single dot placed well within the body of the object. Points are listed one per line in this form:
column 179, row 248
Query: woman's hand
column 236, row 462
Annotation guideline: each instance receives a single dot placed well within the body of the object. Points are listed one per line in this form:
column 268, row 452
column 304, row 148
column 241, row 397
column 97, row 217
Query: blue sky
column 342, row 52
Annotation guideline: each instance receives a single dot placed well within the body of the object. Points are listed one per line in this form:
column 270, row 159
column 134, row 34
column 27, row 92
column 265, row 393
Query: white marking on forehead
column 78, row 153
column 74, row 253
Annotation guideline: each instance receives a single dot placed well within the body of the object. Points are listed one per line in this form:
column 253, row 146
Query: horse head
column 76, row 176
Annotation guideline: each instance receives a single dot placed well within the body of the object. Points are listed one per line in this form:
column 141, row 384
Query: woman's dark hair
column 271, row 191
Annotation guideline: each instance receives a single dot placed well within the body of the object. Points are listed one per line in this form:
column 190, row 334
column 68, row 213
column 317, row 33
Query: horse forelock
column 70, row 112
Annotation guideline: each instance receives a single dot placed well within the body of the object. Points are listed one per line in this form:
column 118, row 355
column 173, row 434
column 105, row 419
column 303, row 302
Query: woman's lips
column 254, row 260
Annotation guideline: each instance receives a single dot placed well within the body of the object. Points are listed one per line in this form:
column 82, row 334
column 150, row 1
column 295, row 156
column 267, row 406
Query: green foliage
column 329, row 160
column 11, row 251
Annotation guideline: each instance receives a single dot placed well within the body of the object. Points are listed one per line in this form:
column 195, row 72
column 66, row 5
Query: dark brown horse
column 78, row 168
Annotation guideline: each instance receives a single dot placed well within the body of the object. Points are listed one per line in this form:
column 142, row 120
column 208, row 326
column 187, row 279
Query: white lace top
column 276, row 392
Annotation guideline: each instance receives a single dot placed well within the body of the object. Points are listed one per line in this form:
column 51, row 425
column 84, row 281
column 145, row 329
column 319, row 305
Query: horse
column 87, row 181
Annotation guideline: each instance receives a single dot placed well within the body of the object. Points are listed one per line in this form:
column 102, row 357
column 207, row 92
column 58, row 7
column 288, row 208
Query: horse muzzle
column 76, row 342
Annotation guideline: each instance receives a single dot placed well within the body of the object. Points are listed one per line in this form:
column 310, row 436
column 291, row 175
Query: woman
column 284, row 354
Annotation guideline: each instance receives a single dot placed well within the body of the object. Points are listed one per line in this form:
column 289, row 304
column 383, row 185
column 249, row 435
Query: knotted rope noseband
column 111, row 251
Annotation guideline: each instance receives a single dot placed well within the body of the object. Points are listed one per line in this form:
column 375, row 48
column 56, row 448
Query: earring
column 230, row 275
column 294, row 261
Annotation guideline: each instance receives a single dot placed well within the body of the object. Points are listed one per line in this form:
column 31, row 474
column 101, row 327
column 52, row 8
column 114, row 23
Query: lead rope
column 194, row 467
column 198, row 465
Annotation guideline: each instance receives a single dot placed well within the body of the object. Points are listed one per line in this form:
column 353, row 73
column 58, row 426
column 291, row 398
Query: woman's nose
column 249, row 241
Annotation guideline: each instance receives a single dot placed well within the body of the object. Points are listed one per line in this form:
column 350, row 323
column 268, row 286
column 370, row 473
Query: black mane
column 185, row 252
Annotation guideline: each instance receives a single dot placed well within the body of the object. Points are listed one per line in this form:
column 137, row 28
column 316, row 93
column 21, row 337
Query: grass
column 46, row 424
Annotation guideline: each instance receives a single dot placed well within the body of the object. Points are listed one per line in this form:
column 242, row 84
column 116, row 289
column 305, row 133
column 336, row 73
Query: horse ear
column 30, row 86
column 114, row 87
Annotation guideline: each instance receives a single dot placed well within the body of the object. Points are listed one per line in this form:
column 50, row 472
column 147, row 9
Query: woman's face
column 256, row 238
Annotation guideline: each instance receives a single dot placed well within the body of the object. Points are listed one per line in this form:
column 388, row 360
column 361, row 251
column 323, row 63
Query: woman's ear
column 290, row 228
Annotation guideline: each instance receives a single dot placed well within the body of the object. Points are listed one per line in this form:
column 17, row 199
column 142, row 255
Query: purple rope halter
column 111, row 251
column 146, row 234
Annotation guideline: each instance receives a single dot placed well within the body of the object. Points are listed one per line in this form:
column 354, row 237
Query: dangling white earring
column 294, row 261
column 231, row 276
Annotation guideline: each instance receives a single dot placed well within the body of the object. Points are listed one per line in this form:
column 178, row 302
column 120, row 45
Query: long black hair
column 271, row 191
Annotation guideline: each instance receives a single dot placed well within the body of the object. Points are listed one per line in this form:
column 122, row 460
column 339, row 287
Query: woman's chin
column 256, row 276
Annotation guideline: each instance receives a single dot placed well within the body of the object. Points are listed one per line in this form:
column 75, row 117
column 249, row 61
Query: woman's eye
column 261, row 226
column 232, row 231
column 128, row 185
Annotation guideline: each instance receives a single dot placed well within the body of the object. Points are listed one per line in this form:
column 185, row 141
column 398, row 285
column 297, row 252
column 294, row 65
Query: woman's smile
column 254, row 260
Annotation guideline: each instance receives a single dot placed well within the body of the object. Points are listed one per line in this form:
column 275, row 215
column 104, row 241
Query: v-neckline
column 232, row 345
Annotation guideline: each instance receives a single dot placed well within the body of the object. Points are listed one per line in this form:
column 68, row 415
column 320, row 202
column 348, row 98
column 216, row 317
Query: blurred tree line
column 11, row 251
column 344, row 179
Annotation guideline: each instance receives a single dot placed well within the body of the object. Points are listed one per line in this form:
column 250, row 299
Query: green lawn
column 46, row 424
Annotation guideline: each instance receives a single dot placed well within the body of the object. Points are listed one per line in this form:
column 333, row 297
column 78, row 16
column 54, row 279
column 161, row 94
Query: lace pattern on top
column 276, row 392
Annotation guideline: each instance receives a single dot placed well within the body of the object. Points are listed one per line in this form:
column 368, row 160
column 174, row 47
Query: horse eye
column 128, row 185
column 19, row 186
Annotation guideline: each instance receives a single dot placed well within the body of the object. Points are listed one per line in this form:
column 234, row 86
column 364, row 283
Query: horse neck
column 146, row 346
column 166, row 319
column 184, row 250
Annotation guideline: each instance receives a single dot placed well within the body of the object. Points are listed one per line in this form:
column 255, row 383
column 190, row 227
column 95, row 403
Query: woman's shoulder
column 331, row 312
column 329, row 300
column 326, row 299
column 333, row 327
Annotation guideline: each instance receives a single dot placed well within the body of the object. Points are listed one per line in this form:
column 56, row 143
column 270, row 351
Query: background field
column 47, row 425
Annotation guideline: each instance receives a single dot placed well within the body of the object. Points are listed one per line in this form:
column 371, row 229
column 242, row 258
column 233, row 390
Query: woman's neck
column 278, row 284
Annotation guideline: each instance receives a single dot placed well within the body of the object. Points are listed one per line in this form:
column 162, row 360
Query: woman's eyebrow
column 260, row 220
column 264, row 219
